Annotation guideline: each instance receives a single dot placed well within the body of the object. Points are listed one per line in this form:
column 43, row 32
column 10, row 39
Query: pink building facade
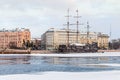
column 15, row 37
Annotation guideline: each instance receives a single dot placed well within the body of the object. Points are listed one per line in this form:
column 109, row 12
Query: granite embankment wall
column 108, row 50
column 14, row 51
column 17, row 51
column 41, row 51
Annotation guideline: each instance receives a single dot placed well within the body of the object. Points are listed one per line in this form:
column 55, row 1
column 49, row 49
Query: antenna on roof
column 110, row 32
column 88, row 32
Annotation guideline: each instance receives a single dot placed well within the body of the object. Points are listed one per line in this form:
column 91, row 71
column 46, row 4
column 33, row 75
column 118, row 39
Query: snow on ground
column 106, row 75
column 80, row 54
column 69, row 54
column 114, row 65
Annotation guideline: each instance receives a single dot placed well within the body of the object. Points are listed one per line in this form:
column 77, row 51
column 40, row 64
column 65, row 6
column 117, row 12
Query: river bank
column 28, row 51
column 48, row 51
column 109, row 75
column 14, row 51
column 109, row 50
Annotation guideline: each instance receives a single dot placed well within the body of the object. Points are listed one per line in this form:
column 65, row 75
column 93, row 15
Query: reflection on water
column 30, row 64
column 14, row 60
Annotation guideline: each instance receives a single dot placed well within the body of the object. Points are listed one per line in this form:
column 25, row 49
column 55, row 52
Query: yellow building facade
column 103, row 40
column 52, row 38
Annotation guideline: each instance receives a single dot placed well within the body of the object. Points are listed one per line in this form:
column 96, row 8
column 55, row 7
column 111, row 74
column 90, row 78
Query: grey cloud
column 47, row 13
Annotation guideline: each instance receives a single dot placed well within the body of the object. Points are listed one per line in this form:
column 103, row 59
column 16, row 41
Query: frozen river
column 86, row 66
column 25, row 64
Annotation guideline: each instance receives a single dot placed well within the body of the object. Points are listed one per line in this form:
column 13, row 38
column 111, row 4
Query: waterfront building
column 92, row 37
column 14, row 38
column 52, row 38
column 36, row 43
column 103, row 40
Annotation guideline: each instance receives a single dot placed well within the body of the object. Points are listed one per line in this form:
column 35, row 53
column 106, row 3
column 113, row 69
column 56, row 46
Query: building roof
column 14, row 30
column 102, row 35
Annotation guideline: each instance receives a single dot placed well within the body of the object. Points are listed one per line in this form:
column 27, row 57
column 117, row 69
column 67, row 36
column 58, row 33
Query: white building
column 52, row 38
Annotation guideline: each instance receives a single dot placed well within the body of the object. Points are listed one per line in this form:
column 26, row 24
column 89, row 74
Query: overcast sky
column 40, row 15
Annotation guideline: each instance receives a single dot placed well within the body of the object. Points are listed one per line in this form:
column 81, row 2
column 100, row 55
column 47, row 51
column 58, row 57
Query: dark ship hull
column 78, row 48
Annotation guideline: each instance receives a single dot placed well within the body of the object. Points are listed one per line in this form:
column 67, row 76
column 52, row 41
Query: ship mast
column 68, row 24
column 77, row 26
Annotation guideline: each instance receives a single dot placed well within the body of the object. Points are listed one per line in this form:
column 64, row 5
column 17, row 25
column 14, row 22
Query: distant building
column 52, row 38
column 92, row 37
column 14, row 38
column 36, row 42
column 103, row 40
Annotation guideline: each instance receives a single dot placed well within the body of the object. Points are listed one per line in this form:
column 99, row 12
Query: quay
column 14, row 51
column 28, row 51
column 109, row 50
column 42, row 52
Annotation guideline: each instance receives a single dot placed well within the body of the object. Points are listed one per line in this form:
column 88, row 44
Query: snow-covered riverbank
column 109, row 75
column 80, row 54
column 69, row 54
